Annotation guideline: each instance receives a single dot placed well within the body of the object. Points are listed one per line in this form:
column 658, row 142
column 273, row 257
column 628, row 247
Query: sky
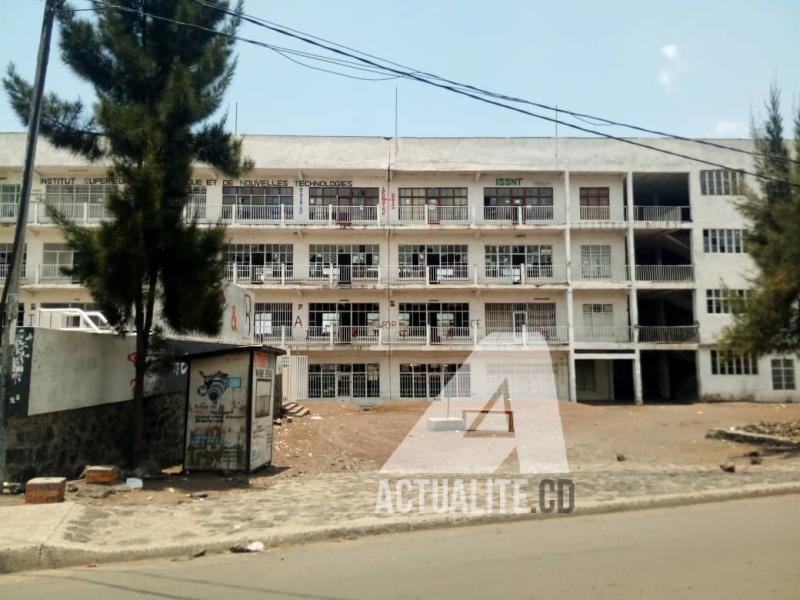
column 695, row 68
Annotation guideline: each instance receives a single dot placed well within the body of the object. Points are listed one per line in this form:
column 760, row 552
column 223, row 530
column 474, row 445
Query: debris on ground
column 251, row 547
column 735, row 434
column 10, row 487
column 199, row 553
column 620, row 457
column 728, row 468
column 101, row 474
column 135, row 483
column 785, row 429
column 756, row 460
column 45, row 490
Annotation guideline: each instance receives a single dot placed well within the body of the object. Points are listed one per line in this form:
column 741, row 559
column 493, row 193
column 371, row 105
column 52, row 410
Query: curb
column 49, row 556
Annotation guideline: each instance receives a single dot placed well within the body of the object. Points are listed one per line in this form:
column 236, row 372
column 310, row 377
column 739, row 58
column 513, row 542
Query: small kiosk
column 229, row 406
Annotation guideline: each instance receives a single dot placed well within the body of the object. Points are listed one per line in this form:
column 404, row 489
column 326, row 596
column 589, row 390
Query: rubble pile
column 787, row 429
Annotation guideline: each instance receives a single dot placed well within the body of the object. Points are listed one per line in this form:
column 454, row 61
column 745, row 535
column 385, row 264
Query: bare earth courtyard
column 345, row 439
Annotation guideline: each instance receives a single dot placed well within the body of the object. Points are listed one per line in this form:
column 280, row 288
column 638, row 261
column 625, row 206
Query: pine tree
column 769, row 319
column 158, row 85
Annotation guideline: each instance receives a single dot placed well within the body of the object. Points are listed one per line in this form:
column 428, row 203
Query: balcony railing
column 668, row 334
column 248, row 214
column 523, row 274
column 603, row 333
column 519, row 215
column 679, row 214
column 5, row 268
column 53, row 274
column 600, row 272
column 343, row 215
column 432, row 274
column 527, row 335
column 665, row 273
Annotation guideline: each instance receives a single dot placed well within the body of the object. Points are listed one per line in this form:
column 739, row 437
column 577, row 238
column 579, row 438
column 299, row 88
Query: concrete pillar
column 573, row 388
column 638, row 397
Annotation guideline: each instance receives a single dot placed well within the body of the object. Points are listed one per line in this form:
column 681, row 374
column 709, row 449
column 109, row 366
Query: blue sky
column 697, row 68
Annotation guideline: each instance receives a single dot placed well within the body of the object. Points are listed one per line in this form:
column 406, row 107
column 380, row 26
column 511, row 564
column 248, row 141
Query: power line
column 457, row 88
column 578, row 115
column 419, row 76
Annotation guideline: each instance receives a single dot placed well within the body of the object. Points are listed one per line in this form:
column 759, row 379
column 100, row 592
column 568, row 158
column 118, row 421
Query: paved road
column 743, row 549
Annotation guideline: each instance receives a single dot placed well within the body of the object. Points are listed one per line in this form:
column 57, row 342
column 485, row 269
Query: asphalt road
column 742, row 549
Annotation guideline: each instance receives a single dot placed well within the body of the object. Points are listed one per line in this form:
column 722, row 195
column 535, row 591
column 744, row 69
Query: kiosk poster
column 263, row 387
column 216, row 418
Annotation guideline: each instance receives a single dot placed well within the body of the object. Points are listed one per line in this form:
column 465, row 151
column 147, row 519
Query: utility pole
column 10, row 302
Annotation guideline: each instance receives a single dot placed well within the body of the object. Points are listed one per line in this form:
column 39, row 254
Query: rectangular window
column 595, row 203
column 9, row 200
column 260, row 263
column 345, row 381
column 343, row 204
column 720, row 182
column 513, row 203
column 508, row 261
column 344, row 262
column 272, row 319
column 723, row 301
column 723, row 241
column 782, row 373
column 598, row 316
column 729, row 363
column 5, row 259
column 596, row 261
column 435, row 380
column 257, row 203
column 195, row 208
column 417, row 204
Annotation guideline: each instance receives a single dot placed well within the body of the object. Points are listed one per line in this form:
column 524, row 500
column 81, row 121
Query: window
column 509, row 316
column 347, row 322
column 432, row 380
column 723, row 301
column 596, row 261
column 195, row 203
column 257, row 202
column 594, row 203
column 345, row 261
column 585, row 380
column 598, row 316
column 272, row 319
column 782, row 373
column 9, row 200
column 500, row 202
column 728, row 363
column 57, row 255
column 352, row 203
column 260, row 262
column 505, row 261
column 71, row 198
column 330, row 380
column 720, row 182
column 412, row 202
column 723, row 241
column 5, row 260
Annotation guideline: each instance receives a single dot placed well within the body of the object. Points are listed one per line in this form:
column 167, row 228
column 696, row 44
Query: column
column 633, row 300
column 573, row 388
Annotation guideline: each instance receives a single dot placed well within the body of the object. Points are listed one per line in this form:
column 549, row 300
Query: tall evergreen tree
column 769, row 319
column 158, row 85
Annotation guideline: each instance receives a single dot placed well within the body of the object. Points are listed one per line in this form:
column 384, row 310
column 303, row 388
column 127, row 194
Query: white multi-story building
column 385, row 260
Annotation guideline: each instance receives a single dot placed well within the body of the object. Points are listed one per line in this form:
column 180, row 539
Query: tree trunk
column 137, row 405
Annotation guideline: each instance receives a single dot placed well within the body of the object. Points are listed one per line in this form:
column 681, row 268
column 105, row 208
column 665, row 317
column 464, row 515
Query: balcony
column 343, row 215
column 662, row 214
column 427, row 335
column 434, row 215
column 523, row 274
column 521, row 215
column 668, row 334
column 599, row 215
column 665, row 273
column 53, row 274
column 601, row 273
column 614, row 334
column 253, row 215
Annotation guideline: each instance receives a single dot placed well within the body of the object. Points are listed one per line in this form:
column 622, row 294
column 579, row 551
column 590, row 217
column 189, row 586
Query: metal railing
column 53, row 273
column 668, row 334
column 519, row 215
column 5, row 268
column 245, row 213
column 659, row 273
column 600, row 272
column 680, row 214
column 343, row 214
column 603, row 333
column 523, row 274
column 73, row 319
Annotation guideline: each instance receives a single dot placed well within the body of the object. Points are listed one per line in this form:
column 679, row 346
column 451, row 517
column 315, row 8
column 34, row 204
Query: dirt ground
column 339, row 437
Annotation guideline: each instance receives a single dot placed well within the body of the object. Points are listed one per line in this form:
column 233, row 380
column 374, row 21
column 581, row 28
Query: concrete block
column 45, row 490
column 103, row 475
column 446, row 424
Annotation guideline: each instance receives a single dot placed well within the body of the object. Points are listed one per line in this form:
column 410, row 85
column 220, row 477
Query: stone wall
column 63, row 443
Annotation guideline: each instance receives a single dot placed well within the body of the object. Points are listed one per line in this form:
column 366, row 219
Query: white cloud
column 730, row 129
column 665, row 78
column 670, row 51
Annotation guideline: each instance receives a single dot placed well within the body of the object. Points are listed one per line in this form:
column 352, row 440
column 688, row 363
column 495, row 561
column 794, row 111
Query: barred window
column 271, row 319
column 70, row 193
column 9, row 200
column 433, row 380
column 196, row 202
column 442, row 196
column 720, row 182
column 596, row 261
column 260, row 254
column 723, row 241
column 5, row 259
column 729, row 363
column 513, row 196
column 722, row 301
column 345, row 380
column 355, row 196
column 782, row 373
column 598, row 315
